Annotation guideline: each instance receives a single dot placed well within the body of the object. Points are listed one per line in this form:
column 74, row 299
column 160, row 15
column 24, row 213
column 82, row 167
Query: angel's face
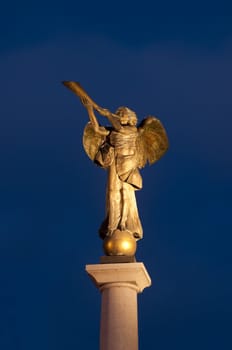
column 126, row 116
column 127, row 119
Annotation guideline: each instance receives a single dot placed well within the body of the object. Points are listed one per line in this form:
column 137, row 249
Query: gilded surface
column 122, row 149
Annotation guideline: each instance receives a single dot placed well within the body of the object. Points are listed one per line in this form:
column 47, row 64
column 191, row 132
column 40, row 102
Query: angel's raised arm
column 97, row 128
column 90, row 105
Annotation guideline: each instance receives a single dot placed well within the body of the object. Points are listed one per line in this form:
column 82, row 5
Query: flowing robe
column 118, row 155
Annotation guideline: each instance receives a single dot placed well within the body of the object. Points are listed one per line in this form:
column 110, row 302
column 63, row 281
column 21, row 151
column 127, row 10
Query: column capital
column 119, row 274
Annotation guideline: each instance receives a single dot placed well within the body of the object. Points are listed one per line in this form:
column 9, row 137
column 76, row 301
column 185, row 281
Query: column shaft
column 119, row 321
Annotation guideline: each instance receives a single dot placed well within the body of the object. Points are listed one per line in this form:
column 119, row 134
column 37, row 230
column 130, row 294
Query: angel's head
column 127, row 116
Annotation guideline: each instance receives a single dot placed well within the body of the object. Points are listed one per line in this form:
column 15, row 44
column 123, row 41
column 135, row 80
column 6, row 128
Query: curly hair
column 121, row 110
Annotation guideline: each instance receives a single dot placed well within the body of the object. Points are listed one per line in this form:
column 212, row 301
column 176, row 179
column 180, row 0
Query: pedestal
column 119, row 285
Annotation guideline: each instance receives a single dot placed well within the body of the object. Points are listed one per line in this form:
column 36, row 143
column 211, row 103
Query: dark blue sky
column 160, row 59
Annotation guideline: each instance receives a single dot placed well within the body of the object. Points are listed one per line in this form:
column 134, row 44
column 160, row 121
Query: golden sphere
column 120, row 243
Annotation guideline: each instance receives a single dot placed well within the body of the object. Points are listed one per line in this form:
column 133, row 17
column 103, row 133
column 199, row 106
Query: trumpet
column 82, row 94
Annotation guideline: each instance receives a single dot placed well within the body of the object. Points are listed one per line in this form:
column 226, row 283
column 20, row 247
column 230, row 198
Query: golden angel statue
column 122, row 148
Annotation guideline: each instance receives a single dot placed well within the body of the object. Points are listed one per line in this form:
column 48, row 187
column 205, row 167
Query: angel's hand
column 103, row 111
column 106, row 112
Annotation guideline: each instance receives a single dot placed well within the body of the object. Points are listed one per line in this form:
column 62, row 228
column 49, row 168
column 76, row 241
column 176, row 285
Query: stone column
column 119, row 284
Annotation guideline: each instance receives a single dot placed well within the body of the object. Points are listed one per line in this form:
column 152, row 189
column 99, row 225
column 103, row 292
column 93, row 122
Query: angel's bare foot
column 110, row 233
column 122, row 227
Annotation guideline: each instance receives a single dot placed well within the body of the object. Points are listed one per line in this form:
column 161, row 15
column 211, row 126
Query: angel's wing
column 92, row 141
column 152, row 141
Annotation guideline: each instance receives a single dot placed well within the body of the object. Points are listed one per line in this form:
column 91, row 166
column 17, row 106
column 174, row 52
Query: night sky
column 172, row 60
